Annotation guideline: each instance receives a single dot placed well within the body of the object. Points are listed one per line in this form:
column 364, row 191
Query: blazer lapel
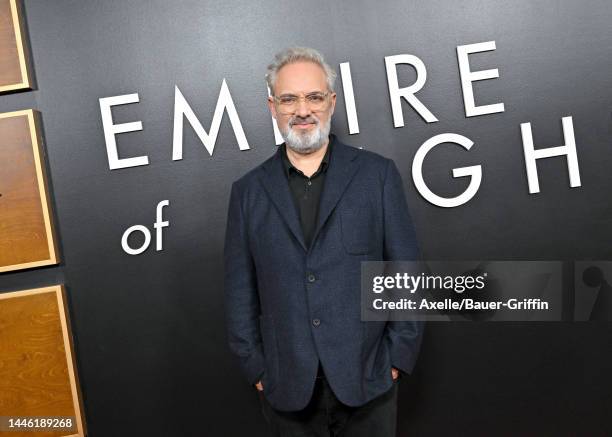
column 277, row 187
column 342, row 167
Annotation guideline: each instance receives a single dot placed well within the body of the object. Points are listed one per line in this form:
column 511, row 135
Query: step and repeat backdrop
column 124, row 124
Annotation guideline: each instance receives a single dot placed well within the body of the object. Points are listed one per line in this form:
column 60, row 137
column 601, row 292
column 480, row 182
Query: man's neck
column 307, row 163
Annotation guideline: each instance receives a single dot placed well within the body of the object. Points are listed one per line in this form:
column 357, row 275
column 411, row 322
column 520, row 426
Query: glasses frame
column 276, row 99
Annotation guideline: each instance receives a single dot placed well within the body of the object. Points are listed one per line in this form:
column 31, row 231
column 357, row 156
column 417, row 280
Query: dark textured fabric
column 326, row 416
column 288, row 307
column 306, row 191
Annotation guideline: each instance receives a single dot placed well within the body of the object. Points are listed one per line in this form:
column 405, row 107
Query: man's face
column 305, row 126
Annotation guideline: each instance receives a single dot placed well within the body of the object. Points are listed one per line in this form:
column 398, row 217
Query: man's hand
column 394, row 373
column 259, row 386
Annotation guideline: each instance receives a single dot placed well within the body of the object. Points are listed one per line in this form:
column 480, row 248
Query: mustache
column 296, row 119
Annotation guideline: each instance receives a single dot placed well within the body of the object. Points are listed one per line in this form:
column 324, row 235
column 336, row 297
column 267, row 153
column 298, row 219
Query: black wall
column 149, row 329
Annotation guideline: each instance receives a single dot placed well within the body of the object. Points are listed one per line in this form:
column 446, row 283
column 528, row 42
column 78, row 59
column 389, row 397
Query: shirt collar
column 324, row 162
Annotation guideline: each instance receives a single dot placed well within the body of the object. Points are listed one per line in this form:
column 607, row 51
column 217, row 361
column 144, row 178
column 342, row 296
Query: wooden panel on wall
column 37, row 369
column 14, row 73
column 27, row 237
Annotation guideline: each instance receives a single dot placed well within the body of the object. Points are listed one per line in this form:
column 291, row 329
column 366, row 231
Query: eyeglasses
column 288, row 103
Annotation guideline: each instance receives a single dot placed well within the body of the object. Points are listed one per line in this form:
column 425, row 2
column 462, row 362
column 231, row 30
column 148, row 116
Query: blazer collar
column 343, row 164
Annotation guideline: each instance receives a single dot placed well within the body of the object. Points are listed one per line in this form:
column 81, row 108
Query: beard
column 306, row 142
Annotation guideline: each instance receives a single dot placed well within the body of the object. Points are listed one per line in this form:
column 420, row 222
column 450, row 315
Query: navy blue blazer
column 288, row 306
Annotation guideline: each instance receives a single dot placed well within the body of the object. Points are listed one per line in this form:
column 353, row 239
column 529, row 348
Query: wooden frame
column 22, row 51
column 64, row 320
column 42, row 179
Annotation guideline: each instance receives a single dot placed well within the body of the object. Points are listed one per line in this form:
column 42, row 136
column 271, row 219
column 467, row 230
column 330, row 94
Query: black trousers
column 326, row 416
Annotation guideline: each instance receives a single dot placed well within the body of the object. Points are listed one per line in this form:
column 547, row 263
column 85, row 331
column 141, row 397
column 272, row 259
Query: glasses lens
column 287, row 103
column 316, row 101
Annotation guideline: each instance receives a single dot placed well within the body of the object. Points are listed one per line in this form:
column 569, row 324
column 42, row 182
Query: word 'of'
column 158, row 225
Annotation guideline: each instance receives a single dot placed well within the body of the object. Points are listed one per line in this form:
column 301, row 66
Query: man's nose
column 303, row 110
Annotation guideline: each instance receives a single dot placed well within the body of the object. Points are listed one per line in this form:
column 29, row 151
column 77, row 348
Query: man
column 298, row 227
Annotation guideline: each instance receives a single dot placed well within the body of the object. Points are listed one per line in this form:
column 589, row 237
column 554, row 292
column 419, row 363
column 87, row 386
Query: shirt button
column 316, row 322
column 309, row 182
column 311, row 278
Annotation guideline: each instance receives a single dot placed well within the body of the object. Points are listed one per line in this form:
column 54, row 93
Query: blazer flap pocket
column 357, row 223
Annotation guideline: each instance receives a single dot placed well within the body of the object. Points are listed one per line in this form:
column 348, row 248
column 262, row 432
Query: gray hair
column 299, row 54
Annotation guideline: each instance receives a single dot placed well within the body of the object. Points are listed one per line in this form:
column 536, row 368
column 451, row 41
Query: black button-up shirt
column 306, row 191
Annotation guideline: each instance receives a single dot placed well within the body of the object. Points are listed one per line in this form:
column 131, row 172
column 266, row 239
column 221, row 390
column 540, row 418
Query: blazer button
column 311, row 278
column 316, row 322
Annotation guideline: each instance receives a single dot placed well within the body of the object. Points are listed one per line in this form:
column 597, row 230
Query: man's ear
column 272, row 107
column 333, row 103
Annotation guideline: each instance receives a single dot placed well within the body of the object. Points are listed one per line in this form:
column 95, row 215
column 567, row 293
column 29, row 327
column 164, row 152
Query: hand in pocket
column 394, row 373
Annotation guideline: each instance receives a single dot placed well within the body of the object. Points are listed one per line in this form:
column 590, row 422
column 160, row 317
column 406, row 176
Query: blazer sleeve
column 400, row 244
column 241, row 296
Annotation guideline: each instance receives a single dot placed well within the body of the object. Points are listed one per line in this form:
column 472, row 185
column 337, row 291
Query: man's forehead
column 300, row 77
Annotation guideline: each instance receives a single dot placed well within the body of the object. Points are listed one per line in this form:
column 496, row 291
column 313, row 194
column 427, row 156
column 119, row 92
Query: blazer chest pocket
column 357, row 228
